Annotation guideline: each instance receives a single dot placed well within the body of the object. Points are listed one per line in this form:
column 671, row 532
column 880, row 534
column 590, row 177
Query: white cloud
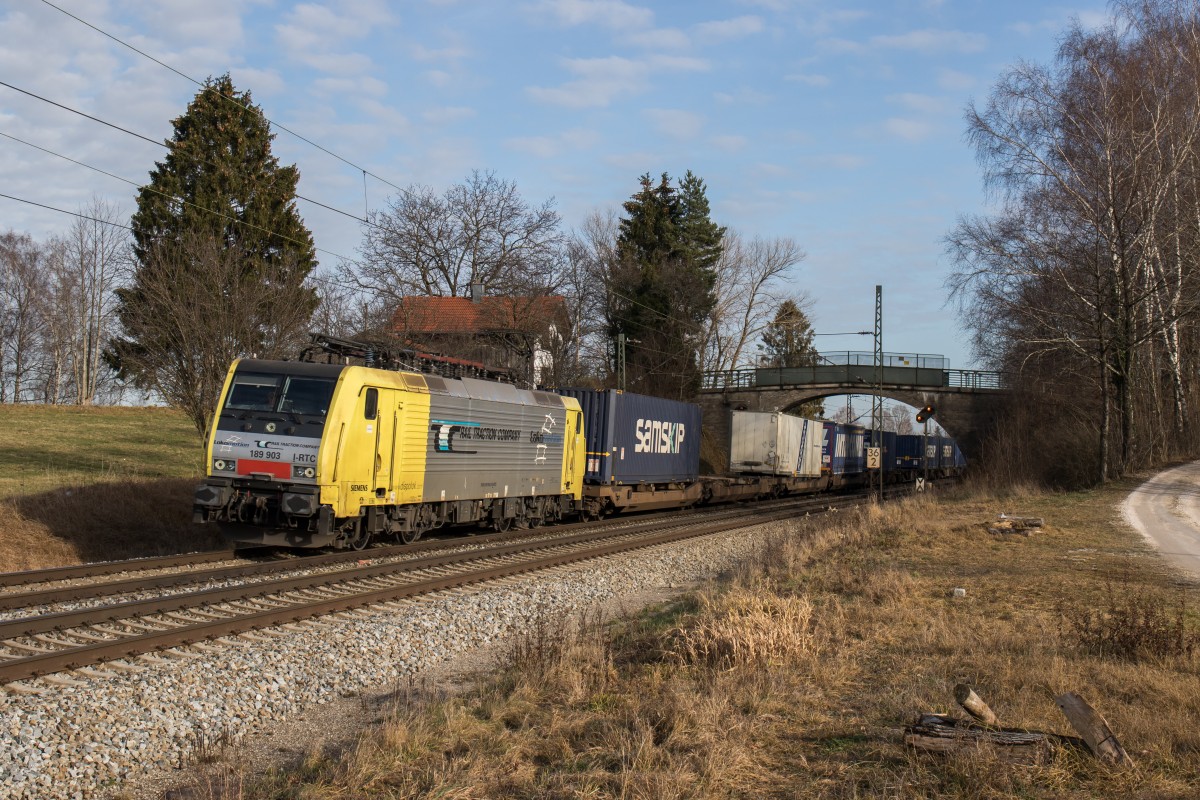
column 675, row 123
column 918, row 102
column 448, row 115
column 729, row 143
column 637, row 162
column 910, row 130
column 765, row 169
column 551, row 146
column 807, row 79
column 842, row 161
column 954, row 80
column 601, row 80
column 932, row 40
column 537, row 146
column 437, row 77
column 724, row 30
column 745, row 95
column 825, row 22
column 320, row 37
column 842, row 46
column 338, row 87
column 659, row 39
column 454, row 52
column 613, row 14
column 266, row 81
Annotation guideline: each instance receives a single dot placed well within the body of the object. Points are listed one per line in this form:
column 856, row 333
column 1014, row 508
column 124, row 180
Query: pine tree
column 662, row 285
column 788, row 342
column 216, row 226
column 788, row 339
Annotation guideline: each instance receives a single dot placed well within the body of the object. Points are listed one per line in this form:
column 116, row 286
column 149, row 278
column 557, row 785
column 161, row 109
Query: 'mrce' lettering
column 658, row 436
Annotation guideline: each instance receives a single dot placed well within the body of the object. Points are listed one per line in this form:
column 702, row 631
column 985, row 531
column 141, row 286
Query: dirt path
column 1166, row 510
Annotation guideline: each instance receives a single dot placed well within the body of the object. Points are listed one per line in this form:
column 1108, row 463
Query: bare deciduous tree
column 1087, row 277
column 748, row 293
column 197, row 310
column 22, row 318
column 481, row 230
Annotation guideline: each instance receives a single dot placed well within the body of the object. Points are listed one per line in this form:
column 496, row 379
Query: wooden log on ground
column 1022, row 522
column 939, row 733
column 974, row 705
column 1094, row 730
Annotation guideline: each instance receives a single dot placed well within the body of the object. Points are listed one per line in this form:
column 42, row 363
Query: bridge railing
column 974, row 379
column 858, row 378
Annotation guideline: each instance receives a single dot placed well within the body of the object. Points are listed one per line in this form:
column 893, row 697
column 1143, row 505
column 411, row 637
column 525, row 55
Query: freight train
column 304, row 454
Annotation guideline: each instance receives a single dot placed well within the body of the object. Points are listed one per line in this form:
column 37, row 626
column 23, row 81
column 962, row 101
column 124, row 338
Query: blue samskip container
column 910, row 451
column 844, row 449
column 635, row 438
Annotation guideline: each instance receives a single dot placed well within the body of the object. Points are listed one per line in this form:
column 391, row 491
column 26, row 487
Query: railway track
column 46, row 643
column 250, row 567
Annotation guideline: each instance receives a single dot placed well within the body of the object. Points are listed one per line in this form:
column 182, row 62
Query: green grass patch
column 56, row 447
column 96, row 484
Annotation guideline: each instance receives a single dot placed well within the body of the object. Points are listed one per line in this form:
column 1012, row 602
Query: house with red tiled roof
column 519, row 334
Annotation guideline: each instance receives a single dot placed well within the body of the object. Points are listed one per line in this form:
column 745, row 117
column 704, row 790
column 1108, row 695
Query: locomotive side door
column 575, row 455
column 385, row 425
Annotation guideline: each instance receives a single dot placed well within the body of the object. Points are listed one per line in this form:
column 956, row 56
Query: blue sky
column 839, row 125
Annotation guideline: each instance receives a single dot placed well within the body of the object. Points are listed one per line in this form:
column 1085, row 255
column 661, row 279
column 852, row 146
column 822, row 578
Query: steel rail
column 84, row 655
column 98, row 568
column 41, row 597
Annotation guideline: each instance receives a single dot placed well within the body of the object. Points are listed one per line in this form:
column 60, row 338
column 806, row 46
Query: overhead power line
column 102, row 221
column 163, row 145
column 283, row 128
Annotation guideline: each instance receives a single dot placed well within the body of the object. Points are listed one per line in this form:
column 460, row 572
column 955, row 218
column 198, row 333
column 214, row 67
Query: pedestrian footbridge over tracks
column 966, row 401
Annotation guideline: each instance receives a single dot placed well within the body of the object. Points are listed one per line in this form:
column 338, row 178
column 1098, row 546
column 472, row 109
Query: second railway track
column 66, row 640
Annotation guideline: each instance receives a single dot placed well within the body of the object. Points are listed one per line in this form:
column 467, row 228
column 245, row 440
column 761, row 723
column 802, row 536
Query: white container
column 809, row 464
column 774, row 444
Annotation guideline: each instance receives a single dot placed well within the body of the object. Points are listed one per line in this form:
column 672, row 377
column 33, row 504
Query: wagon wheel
column 422, row 522
column 503, row 524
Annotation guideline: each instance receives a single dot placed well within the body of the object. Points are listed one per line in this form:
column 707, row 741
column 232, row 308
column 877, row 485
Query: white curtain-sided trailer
column 775, row 444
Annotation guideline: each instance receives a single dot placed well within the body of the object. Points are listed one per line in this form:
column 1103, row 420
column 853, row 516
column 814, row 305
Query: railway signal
column 925, row 413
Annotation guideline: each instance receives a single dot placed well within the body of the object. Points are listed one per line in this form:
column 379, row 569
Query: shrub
column 1133, row 625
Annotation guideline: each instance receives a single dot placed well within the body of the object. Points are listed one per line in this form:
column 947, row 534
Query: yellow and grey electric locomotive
column 306, row 455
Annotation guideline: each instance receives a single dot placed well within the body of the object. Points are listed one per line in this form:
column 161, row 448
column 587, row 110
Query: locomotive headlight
column 220, row 464
column 303, row 472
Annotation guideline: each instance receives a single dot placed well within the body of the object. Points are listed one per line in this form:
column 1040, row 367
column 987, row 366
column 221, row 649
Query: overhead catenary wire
column 167, row 146
column 164, row 145
column 102, row 221
column 365, row 172
column 271, row 122
column 176, row 198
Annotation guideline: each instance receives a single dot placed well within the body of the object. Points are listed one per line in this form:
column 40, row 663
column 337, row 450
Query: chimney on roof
column 477, row 291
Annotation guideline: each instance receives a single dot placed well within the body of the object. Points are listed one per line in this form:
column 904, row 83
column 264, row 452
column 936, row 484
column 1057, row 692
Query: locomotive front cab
column 262, row 485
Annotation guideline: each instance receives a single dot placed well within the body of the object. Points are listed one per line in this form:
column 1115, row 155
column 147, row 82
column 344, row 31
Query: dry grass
column 795, row 678
column 90, row 484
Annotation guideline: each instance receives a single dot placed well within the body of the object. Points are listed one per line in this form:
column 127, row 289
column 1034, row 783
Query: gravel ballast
column 88, row 735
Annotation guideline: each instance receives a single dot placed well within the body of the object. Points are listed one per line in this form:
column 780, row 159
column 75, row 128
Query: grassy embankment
column 795, row 677
column 95, row 484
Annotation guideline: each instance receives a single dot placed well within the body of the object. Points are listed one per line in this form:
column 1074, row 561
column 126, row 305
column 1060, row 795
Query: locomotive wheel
column 408, row 537
column 503, row 524
column 361, row 537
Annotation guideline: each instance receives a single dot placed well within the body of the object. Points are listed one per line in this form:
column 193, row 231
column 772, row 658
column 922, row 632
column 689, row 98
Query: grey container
column 634, row 438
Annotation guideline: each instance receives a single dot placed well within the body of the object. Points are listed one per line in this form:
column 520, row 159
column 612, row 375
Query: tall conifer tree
column 216, row 226
column 662, row 284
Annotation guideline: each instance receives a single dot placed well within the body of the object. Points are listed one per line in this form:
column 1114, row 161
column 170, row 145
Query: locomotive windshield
column 287, row 394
